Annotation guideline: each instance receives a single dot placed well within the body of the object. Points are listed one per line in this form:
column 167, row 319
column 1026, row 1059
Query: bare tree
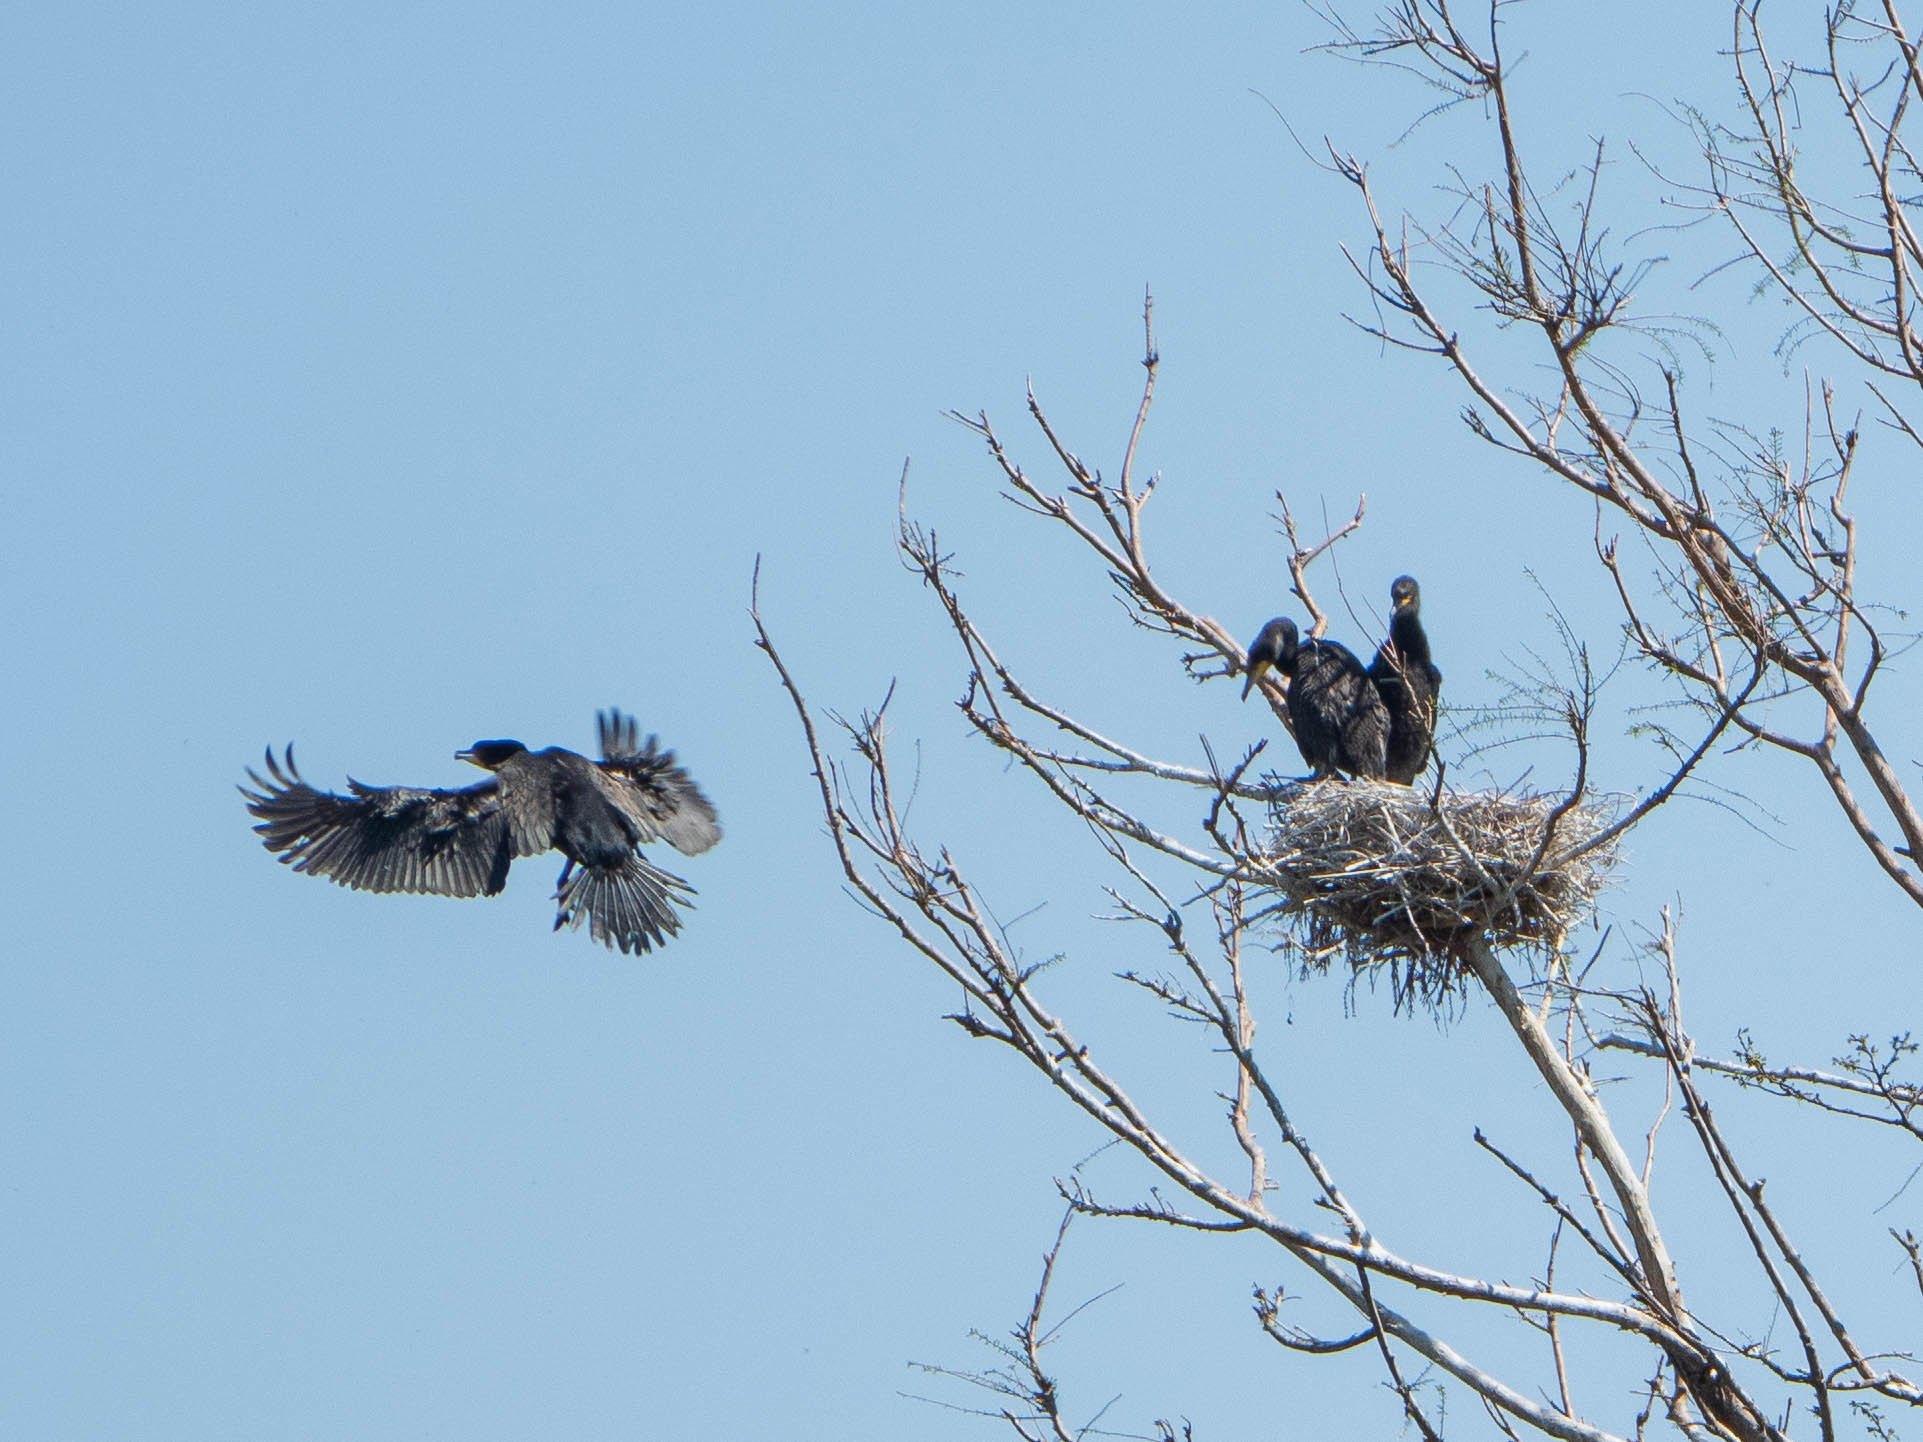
column 1735, row 563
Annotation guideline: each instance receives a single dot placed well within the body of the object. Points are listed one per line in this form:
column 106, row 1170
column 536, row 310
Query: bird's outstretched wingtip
column 620, row 734
column 285, row 776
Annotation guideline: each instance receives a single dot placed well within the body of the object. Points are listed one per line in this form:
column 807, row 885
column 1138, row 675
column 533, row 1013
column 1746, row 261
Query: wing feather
column 1409, row 690
column 1339, row 715
column 384, row 838
column 657, row 795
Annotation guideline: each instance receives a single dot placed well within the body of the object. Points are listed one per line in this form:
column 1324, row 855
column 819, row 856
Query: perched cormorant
column 1337, row 715
column 460, row 842
column 1409, row 683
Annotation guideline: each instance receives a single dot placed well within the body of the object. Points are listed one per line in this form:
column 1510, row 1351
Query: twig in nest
column 1379, row 875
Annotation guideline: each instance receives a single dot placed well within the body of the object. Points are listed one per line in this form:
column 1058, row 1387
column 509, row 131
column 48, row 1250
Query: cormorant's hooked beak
column 1256, row 665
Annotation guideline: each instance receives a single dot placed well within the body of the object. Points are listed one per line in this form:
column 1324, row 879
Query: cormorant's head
column 1276, row 647
column 1405, row 595
column 491, row 755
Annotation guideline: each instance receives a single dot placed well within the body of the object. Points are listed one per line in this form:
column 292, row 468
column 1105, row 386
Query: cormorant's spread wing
column 656, row 794
column 384, row 838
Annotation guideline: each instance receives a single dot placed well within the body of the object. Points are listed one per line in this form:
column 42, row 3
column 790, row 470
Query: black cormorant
column 1337, row 714
column 1409, row 683
column 460, row 842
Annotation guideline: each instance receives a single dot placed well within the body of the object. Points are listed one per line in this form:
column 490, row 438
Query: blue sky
column 382, row 379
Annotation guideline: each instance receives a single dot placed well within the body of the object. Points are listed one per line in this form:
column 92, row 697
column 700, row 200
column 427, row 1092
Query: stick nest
column 1378, row 875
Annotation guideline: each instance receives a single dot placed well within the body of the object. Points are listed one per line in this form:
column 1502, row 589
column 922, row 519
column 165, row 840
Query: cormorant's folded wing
column 1385, row 666
column 1389, row 670
column 658, row 795
column 384, row 838
column 1332, row 698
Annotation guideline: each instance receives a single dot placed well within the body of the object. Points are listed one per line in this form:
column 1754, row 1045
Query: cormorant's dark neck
column 1412, row 644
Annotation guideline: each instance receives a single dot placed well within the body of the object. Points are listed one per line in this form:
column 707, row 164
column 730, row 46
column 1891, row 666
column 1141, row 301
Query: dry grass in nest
column 1378, row 875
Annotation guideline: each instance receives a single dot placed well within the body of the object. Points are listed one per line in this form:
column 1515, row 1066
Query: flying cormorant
column 1409, row 683
column 1339, row 721
column 461, row 842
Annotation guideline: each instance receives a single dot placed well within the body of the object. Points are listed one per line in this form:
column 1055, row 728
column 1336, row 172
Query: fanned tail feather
column 631, row 907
